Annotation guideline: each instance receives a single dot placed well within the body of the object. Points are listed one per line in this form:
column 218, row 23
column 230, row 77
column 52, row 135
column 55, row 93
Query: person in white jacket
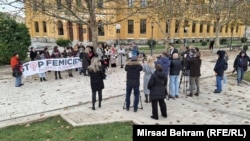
column 121, row 56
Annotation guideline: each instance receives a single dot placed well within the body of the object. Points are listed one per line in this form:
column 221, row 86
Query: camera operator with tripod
column 185, row 70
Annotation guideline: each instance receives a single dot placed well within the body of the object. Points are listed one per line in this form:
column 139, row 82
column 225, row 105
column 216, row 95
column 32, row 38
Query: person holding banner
column 56, row 54
column 16, row 66
column 96, row 80
column 41, row 56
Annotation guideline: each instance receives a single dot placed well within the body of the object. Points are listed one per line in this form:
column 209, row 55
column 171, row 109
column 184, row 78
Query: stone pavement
column 71, row 98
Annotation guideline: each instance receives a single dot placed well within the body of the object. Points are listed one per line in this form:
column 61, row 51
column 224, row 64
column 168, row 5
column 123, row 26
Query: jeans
column 41, row 75
column 18, row 81
column 174, row 85
column 136, row 96
column 224, row 79
column 240, row 74
column 218, row 83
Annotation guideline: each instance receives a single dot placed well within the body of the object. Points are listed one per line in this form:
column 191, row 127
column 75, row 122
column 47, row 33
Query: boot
column 44, row 79
column 41, row 79
column 93, row 105
column 100, row 104
column 146, row 100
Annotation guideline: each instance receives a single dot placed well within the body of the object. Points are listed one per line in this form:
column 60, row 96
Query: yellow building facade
column 137, row 29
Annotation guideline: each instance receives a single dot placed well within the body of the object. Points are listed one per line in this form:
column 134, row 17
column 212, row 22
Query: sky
column 11, row 9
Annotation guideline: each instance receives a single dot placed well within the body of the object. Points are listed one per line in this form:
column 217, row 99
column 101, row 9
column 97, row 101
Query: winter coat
column 175, row 67
column 147, row 75
column 195, row 66
column 219, row 66
column 96, row 80
column 242, row 62
column 157, row 85
column 133, row 69
column 121, row 56
column 85, row 60
column 165, row 63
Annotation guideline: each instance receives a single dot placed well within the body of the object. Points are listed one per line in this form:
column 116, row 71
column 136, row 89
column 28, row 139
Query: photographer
column 186, row 67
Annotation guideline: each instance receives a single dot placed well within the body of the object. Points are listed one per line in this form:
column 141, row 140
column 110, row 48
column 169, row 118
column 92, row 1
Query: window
column 221, row 29
column 226, row 30
column 130, row 26
column 35, row 5
column 208, row 28
column 214, row 27
column 100, row 29
column 131, row 3
column 36, row 27
column 143, row 26
column 237, row 29
column 193, row 27
column 201, row 27
column 100, row 3
column 59, row 4
column 43, row 5
column 185, row 26
column 167, row 27
column 60, row 28
column 176, row 26
column 143, row 3
column 44, row 27
column 69, row 4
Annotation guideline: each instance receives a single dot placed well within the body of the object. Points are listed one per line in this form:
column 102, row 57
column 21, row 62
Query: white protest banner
column 57, row 64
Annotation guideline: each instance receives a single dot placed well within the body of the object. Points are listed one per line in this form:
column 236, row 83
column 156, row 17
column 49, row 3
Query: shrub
column 245, row 47
column 243, row 39
column 149, row 42
column 63, row 42
column 223, row 41
column 15, row 37
column 203, row 43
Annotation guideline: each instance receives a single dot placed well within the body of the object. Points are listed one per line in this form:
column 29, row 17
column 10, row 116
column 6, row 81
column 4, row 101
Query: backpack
column 225, row 66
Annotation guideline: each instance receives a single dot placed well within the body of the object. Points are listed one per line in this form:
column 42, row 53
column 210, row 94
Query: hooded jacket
column 157, row 85
column 219, row 66
column 165, row 63
column 242, row 62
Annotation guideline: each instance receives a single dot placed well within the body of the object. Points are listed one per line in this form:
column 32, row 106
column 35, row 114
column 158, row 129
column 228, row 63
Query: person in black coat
column 133, row 69
column 219, row 70
column 85, row 61
column 195, row 72
column 241, row 64
column 33, row 54
column 172, row 51
column 156, row 85
column 96, row 80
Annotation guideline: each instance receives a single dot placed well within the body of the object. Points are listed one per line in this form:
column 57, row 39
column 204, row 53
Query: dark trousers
column 136, row 96
column 94, row 96
column 163, row 108
column 59, row 73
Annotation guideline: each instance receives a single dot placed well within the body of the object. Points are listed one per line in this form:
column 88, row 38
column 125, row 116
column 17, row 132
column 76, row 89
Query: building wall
column 111, row 36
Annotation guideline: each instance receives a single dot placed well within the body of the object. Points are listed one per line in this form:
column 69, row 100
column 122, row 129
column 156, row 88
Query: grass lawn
column 247, row 76
column 56, row 129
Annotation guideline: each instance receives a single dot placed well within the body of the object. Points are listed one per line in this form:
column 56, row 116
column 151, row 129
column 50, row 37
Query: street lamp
column 232, row 30
column 186, row 30
column 151, row 47
column 118, row 27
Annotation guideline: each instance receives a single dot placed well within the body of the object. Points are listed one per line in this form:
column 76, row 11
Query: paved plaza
column 71, row 98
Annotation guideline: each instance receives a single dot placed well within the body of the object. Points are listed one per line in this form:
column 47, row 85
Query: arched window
column 100, row 29
column 60, row 28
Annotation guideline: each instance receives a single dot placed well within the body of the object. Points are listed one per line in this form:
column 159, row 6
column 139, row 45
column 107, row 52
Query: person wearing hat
column 219, row 70
column 241, row 63
column 133, row 69
column 16, row 67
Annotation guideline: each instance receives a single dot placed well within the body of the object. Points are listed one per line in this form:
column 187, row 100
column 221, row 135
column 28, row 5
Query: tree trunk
column 217, row 36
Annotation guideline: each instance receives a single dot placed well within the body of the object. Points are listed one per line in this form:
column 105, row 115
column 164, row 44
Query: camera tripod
column 124, row 105
column 184, row 76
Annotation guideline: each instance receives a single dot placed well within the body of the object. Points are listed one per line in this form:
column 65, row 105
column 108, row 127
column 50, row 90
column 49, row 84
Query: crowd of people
column 177, row 66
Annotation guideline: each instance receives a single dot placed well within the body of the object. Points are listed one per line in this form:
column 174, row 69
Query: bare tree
column 87, row 12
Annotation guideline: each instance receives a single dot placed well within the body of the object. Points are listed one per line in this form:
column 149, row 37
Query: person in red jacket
column 16, row 67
